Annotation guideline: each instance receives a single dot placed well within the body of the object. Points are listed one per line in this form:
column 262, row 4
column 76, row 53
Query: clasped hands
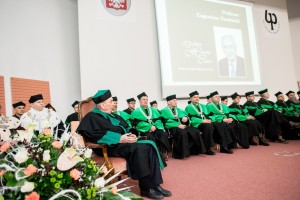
column 128, row 138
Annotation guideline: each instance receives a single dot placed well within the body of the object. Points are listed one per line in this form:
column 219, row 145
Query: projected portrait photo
column 230, row 53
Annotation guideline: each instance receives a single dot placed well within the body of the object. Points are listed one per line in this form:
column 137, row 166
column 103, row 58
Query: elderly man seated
column 143, row 160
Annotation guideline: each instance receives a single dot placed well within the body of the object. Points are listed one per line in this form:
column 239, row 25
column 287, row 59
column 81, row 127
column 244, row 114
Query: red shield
column 116, row 4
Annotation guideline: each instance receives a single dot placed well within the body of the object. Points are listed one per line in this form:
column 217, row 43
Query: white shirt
column 232, row 68
column 41, row 119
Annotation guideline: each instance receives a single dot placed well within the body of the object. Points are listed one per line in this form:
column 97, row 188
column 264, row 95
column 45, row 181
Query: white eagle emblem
column 117, row 7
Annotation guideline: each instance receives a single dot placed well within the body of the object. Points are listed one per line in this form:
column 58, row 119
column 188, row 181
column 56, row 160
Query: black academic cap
column 234, row 95
column 278, row 93
column 101, row 96
column 153, row 102
column 130, row 100
column 289, row 92
column 263, row 91
column 115, row 98
column 194, row 93
column 143, row 94
column 249, row 93
column 298, row 92
column 35, row 98
column 171, row 97
column 75, row 103
column 208, row 97
column 20, row 103
column 223, row 98
column 213, row 93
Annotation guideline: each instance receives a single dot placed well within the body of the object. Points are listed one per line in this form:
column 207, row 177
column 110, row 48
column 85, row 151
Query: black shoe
column 152, row 194
column 252, row 143
column 283, row 141
column 225, row 150
column 210, row 153
column 164, row 192
column 263, row 142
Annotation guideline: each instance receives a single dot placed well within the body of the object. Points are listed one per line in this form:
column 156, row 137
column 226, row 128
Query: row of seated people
column 217, row 123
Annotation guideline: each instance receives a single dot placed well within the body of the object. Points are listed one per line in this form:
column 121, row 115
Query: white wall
column 294, row 19
column 121, row 53
column 39, row 40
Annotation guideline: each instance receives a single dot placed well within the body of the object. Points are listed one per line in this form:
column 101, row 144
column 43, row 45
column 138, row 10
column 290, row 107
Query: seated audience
column 122, row 114
column 147, row 120
column 186, row 140
column 38, row 115
column 75, row 115
column 219, row 111
column 131, row 105
column 242, row 116
column 224, row 100
column 19, row 109
column 143, row 160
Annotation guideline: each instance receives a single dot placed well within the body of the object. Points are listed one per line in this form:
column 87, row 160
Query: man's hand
column 206, row 121
column 128, row 138
column 184, row 119
column 228, row 120
column 153, row 129
column 251, row 118
column 181, row 126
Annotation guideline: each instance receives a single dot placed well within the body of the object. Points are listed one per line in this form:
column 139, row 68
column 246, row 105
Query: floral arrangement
column 38, row 166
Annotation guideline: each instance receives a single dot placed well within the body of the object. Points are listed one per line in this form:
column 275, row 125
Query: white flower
column 65, row 137
column 100, row 182
column 46, row 155
column 21, row 156
column 88, row 153
column 27, row 187
column 45, row 124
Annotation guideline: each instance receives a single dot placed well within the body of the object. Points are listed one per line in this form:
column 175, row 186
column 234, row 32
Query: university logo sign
column 117, row 7
column 271, row 22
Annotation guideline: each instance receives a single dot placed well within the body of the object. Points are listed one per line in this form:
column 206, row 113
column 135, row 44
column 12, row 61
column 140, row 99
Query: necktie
column 146, row 111
column 232, row 71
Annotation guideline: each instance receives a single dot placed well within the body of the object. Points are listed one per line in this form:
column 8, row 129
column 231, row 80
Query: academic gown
column 196, row 114
column 72, row 117
column 289, row 112
column 142, row 158
column 128, row 111
column 272, row 120
column 124, row 115
column 186, row 141
column 241, row 114
column 239, row 132
column 143, row 121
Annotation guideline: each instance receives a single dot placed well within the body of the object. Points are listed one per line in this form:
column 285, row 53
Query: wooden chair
column 115, row 164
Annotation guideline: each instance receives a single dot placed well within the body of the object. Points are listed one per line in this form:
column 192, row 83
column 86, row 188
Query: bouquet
column 38, row 166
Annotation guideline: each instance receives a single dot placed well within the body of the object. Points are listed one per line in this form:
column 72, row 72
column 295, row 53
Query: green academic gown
column 185, row 141
column 242, row 114
column 238, row 131
column 143, row 119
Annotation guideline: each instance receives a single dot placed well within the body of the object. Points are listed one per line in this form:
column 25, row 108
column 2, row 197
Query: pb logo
column 271, row 22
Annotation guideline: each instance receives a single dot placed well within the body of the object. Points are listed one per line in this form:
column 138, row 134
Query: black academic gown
column 128, row 111
column 271, row 120
column 142, row 160
column 254, row 127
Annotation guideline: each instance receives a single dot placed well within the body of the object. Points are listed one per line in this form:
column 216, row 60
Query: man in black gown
column 143, row 160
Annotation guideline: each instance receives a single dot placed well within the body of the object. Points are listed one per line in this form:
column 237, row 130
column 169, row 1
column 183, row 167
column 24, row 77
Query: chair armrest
column 108, row 163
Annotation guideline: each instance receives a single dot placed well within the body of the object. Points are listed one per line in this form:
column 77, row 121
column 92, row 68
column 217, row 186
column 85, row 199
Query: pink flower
column 57, row 144
column 4, row 147
column 114, row 190
column 30, row 169
column 32, row 196
column 2, row 172
column 47, row 131
column 75, row 174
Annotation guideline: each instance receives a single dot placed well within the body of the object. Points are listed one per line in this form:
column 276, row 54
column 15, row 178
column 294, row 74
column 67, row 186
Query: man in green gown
column 242, row 116
column 186, row 139
column 206, row 123
column 220, row 112
column 143, row 159
column 147, row 120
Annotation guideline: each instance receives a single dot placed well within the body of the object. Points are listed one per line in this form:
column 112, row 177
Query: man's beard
column 294, row 100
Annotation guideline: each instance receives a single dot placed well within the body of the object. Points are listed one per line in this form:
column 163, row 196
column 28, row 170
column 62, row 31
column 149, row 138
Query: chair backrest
column 85, row 107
